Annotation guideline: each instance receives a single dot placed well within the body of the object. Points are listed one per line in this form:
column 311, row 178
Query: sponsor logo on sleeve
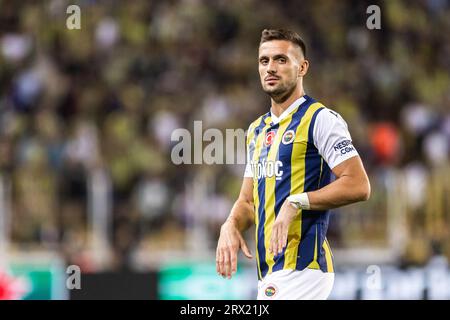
column 344, row 147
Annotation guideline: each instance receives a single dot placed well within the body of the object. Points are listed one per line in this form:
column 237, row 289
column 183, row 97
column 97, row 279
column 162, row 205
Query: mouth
column 271, row 80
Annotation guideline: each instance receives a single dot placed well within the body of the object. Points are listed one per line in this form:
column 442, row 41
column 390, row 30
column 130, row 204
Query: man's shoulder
column 328, row 120
column 317, row 105
column 313, row 108
column 258, row 121
column 329, row 115
column 325, row 118
column 323, row 112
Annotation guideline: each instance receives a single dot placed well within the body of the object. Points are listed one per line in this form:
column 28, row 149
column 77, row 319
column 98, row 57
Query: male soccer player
column 287, row 189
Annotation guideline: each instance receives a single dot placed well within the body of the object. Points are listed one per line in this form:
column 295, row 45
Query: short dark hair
column 282, row 34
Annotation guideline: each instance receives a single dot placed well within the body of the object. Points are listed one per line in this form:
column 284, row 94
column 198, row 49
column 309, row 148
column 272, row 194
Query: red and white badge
column 270, row 135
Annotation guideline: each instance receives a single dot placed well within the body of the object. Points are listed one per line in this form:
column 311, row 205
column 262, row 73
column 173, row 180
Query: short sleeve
column 332, row 138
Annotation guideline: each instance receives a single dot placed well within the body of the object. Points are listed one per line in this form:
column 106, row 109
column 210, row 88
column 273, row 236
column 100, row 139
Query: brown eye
column 282, row 60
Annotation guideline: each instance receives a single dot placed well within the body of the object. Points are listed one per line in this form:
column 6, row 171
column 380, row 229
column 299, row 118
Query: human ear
column 303, row 68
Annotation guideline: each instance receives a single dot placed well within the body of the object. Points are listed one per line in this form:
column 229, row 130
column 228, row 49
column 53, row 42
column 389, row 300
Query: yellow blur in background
column 87, row 116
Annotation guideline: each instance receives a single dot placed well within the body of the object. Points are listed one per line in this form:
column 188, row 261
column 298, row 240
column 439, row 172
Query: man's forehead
column 275, row 47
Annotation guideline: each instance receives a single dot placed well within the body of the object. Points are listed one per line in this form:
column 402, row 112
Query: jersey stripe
column 314, row 264
column 328, row 256
column 286, row 187
column 309, row 219
column 255, row 126
column 314, row 164
column 259, row 196
column 253, row 133
column 273, row 204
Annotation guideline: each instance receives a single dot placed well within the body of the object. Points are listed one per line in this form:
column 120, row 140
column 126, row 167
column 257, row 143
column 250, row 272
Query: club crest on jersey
column 288, row 137
column 270, row 135
column 270, row 291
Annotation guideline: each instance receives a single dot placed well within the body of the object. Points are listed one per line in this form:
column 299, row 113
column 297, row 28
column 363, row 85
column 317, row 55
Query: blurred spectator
column 109, row 96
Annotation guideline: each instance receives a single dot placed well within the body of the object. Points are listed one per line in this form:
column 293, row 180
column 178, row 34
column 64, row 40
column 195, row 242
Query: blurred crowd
column 106, row 98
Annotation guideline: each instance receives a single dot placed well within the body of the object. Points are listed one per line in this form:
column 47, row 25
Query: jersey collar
column 286, row 112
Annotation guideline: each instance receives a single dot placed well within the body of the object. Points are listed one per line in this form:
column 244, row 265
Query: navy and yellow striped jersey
column 285, row 161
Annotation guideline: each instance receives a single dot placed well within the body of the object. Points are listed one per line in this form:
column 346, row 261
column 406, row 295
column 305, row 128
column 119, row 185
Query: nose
column 271, row 67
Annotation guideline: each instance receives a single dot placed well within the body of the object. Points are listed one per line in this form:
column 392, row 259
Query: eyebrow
column 278, row 56
column 275, row 57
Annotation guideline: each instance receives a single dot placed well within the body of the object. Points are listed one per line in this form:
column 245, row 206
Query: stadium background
column 86, row 118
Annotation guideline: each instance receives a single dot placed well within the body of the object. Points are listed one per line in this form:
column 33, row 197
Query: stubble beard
column 281, row 94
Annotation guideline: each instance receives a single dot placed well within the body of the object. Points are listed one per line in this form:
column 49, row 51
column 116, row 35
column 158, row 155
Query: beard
column 280, row 93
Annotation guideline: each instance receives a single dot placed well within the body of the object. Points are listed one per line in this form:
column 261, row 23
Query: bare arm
column 242, row 214
column 351, row 185
column 230, row 240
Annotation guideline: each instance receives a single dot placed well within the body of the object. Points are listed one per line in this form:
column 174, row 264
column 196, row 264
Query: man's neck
column 278, row 108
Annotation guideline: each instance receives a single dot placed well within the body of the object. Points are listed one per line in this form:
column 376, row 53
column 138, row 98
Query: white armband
column 299, row 201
